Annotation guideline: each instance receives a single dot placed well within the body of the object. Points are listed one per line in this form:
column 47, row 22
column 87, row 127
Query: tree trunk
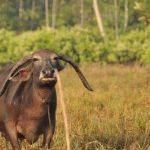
column 46, row 14
column 82, row 13
column 54, row 14
column 32, row 14
column 99, row 18
column 126, row 16
column 20, row 9
column 116, row 19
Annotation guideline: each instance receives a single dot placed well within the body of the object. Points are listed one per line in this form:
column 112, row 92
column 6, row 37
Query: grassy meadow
column 115, row 116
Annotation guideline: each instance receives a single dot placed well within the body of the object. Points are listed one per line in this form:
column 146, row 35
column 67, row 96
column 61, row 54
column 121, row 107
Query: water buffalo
column 28, row 97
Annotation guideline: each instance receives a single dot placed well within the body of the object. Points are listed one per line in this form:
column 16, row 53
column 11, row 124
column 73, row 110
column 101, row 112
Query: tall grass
column 115, row 116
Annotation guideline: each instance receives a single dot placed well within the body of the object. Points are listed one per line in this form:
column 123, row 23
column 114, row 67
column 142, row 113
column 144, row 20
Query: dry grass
column 115, row 116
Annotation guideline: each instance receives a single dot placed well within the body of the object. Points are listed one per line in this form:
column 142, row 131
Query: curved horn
column 75, row 66
column 23, row 62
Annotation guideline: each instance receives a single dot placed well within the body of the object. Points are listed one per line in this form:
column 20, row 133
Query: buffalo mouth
column 48, row 79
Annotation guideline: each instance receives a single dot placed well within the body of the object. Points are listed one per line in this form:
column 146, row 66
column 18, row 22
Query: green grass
column 115, row 116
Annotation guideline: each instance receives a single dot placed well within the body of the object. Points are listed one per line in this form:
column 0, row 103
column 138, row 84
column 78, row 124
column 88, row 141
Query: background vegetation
column 70, row 27
column 84, row 45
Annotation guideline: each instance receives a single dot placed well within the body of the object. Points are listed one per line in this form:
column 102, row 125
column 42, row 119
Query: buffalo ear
column 21, row 71
column 23, row 74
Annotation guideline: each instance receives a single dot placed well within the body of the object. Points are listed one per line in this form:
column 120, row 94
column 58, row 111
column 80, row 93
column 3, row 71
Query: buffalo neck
column 42, row 93
column 34, row 100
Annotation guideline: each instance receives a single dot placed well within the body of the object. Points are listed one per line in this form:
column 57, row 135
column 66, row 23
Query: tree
column 143, row 8
column 8, row 14
column 82, row 12
column 20, row 9
column 54, row 4
column 126, row 15
column 46, row 14
column 116, row 18
column 32, row 14
column 99, row 18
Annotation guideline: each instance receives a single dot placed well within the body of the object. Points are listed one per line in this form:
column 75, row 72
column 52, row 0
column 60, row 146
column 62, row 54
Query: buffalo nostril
column 52, row 71
column 44, row 71
column 48, row 72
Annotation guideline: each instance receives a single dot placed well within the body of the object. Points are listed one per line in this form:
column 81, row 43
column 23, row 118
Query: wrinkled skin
column 27, row 94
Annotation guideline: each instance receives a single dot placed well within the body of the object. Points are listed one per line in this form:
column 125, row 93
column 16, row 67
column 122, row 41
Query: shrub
column 83, row 45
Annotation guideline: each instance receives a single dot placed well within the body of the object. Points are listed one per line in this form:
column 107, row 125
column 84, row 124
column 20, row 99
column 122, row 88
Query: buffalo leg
column 11, row 131
column 48, row 135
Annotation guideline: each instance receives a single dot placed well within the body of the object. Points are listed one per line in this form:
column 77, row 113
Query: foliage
column 84, row 45
column 68, row 14
column 143, row 8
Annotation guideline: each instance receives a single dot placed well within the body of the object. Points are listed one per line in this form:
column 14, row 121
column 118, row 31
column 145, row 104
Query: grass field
column 115, row 116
